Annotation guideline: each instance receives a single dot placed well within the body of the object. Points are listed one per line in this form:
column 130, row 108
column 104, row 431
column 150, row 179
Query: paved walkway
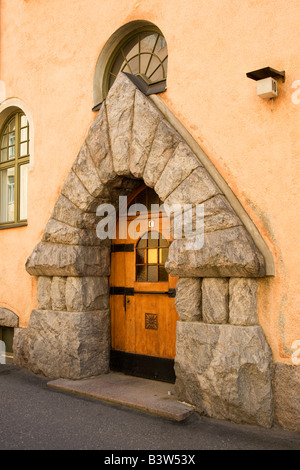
column 36, row 416
column 142, row 394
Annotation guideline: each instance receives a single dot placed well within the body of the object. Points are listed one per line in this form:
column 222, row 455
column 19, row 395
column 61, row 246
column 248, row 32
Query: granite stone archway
column 223, row 363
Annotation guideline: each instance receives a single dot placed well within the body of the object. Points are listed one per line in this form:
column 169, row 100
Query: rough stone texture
column 218, row 215
column 21, row 347
column 228, row 250
column 58, row 293
column 85, row 169
column 164, row 143
column 75, row 191
column 225, row 371
column 59, row 232
column 49, row 259
column 215, row 307
column 87, row 293
column 64, row 344
column 243, row 301
column 145, row 121
column 180, row 166
column 225, row 253
column 119, row 106
column 121, row 186
column 44, row 293
column 99, row 146
column 8, row 318
column 188, row 299
column 195, row 189
column 286, row 396
column 65, row 211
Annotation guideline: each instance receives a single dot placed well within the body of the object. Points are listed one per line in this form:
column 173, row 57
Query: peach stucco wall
column 49, row 50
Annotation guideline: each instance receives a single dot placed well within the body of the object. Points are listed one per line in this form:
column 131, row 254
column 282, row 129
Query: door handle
column 169, row 293
column 129, row 291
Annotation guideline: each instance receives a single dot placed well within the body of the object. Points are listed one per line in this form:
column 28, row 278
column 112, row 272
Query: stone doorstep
column 145, row 395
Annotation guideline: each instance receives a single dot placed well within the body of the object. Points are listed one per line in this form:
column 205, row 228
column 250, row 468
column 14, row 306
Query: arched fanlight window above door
column 142, row 54
column 139, row 49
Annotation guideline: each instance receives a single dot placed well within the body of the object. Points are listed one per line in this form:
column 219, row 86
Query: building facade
column 157, row 102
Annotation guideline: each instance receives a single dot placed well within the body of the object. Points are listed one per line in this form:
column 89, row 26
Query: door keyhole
column 125, row 302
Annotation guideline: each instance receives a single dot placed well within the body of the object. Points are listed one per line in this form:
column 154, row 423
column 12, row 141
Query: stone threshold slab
column 142, row 394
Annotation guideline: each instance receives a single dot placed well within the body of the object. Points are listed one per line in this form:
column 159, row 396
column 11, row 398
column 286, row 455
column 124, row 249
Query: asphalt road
column 35, row 417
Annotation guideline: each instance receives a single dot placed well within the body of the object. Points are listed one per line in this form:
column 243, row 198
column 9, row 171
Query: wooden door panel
column 155, row 318
column 117, row 276
column 142, row 323
column 118, row 323
column 122, row 321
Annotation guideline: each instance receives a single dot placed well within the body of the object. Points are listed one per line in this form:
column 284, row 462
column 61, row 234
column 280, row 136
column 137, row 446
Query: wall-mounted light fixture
column 266, row 81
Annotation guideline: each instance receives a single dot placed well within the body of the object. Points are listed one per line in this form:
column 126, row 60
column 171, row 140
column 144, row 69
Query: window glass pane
column 163, row 241
column 162, row 274
column 140, row 257
column 144, row 54
column 152, row 256
column 11, row 125
column 152, row 274
column 141, row 273
column 24, row 134
column 161, row 44
column 152, row 242
column 153, row 237
column 11, row 143
column 155, row 66
column 118, row 64
column 7, row 194
column 24, row 121
column 11, row 185
column 12, row 137
column 14, row 145
column 4, row 154
column 133, row 65
column 4, row 141
column 163, row 255
column 23, row 190
column 11, row 153
column 145, row 60
column 148, row 41
column 132, row 48
column 23, row 149
column 143, row 241
column 165, row 67
column 157, row 73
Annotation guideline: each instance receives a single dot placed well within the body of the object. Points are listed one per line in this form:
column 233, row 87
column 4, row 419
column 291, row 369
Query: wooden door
column 142, row 295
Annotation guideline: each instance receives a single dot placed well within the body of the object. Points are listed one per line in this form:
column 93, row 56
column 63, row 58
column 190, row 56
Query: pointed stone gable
column 223, row 363
column 131, row 138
